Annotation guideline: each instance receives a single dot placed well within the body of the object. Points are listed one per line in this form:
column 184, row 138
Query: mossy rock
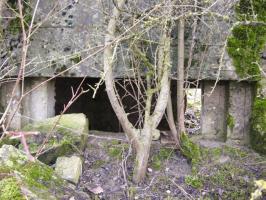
column 258, row 125
column 69, row 135
column 7, row 140
column 10, row 189
column 35, row 179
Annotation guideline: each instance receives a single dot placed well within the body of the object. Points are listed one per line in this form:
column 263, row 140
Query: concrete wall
column 40, row 103
column 214, row 110
column 226, row 112
column 36, row 106
column 76, row 29
column 241, row 96
column 5, row 96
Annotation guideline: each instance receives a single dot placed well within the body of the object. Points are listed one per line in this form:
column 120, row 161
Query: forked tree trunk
column 142, row 155
column 141, row 141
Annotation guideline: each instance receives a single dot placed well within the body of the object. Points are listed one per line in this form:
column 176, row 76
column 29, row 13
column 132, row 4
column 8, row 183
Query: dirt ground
column 222, row 172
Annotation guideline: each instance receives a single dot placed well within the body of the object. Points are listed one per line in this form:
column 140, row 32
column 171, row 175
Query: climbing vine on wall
column 248, row 38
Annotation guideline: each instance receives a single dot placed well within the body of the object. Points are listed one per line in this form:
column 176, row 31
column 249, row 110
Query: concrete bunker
column 225, row 110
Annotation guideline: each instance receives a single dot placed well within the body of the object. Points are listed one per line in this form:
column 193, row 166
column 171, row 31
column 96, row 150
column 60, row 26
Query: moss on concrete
column 258, row 125
column 38, row 178
column 76, row 58
column 37, row 175
column 69, row 135
column 10, row 189
column 247, row 41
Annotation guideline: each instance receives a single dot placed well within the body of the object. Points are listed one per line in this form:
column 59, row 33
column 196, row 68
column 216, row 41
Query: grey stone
column 39, row 104
column 262, row 89
column 241, row 96
column 14, row 161
column 76, row 30
column 5, row 96
column 69, row 168
column 9, row 156
column 224, row 159
column 213, row 116
column 68, row 136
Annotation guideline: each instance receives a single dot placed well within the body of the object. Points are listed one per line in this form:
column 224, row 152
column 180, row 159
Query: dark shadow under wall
column 98, row 110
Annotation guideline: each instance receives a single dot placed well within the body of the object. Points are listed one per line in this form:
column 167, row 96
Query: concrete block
column 241, row 96
column 69, row 168
column 40, row 103
column 5, row 96
column 213, row 115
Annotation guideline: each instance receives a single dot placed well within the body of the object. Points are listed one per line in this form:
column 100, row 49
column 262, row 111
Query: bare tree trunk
column 141, row 140
column 180, row 78
column 109, row 82
column 142, row 154
column 2, row 4
column 171, row 120
column 165, row 66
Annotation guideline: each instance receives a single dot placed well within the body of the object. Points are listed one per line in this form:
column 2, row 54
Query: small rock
column 70, row 134
column 9, row 154
column 149, row 170
column 69, row 168
column 224, row 159
column 156, row 134
column 95, row 189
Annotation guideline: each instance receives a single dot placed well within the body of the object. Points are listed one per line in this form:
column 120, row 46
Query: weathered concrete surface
column 5, row 95
column 75, row 31
column 39, row 104
column 241, row 96
column 34, row 181
column 213, row 116
column 69, row 134
column 69, row 168
column 22, row 179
